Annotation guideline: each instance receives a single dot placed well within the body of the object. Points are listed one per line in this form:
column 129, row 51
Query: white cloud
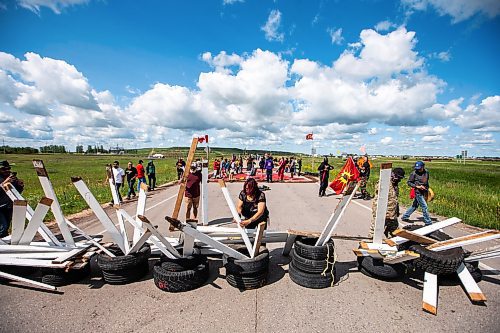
column 221, row 61
column 482, row 117
column 444, row 56
column 432, row 138
column 384, row 25
column 335, row 35
column 459, row 10
column 55, row 5
column 272, row 26
column 386, row 140
column 231, row 2
column 373, row 131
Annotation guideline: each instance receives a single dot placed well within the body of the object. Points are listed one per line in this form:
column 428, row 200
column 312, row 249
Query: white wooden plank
column 483, row 256
column 258, row 239
column 117, row 203
column 400, row 257
column 31, row 262
column 90, row 239
column 44, row 231
column 36, row 221
column 99, row 212
column 33, row 255
column 383, row 199
column 430, row 294
column 29, row 248
column 49, row 192
column 288, row 244
column 479, row 237
column 18, row 218
column 188, row 245
column 28, row 281
column 380, row 246
column 66, row 256
column 337, row 214
column 204, row 195
column 473, row 290
column 428, row 229
column 365, row 252
column 140, row 242
column 140, row 210
column 235, row 214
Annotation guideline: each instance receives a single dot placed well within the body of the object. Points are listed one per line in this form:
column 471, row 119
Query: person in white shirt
column 119, row 176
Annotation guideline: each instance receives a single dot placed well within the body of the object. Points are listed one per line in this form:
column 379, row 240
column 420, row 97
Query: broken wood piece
column 28, row 281
column 473, row 290
column 36, row 221
column 465, row 240
column 258, row 239
column 400, row 257
column 428, row 229
column 413, row 237
column 430, row 294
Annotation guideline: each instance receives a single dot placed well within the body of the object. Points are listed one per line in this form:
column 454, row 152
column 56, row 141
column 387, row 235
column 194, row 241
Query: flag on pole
column 309, row 136
column 202, row 139
column 348, row 173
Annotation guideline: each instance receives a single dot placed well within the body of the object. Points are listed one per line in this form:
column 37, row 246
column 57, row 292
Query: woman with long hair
column 252, row 205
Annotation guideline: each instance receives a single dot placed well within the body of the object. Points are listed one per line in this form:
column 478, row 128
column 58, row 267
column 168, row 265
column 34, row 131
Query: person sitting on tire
column 252, row 205
column 419, row 180
column 391, row 217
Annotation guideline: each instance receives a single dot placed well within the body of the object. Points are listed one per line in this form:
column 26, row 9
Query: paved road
column 355, row 303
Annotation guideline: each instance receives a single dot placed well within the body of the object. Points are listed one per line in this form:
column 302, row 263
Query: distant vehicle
column 157, row 156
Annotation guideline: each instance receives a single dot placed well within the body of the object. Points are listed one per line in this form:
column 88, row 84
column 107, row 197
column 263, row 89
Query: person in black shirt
column 324, row 173
column 419, row 181
column 252, row 205
column 6, row 206
column 131, row 173
column 181, row 165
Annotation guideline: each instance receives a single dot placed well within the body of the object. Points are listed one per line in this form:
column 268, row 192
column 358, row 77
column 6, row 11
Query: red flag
column 348, row 173
column 309, row 136
column 202, row 139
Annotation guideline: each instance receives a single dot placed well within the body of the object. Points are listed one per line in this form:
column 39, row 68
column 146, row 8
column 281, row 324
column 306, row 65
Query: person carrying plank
column 391, row 216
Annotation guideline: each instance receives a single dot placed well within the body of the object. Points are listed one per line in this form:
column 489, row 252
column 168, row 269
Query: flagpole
column 312, row 155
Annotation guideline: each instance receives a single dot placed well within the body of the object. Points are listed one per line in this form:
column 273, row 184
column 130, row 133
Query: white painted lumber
column 235, row 214
column 430, row 294
column 2, row 242
column 29, row 248
column 18, row 218
column 36, row 221
column 90, row 239
column 170, row 250
column 479, row 237
column 335, row 218
column 44, row 231
column 31, row 262
column 140, row 242
column 290, row 240
column 428, row 229
column 381, row 247
column 400, row 257
column 258, row 239
column 99, row 212
column 49, row 192
column 188, row 244
column 117, row 203
column 473, row 290
column 33, row 255
column 365, row 252
column 140, row 210
column 28, row 281
column 383, row 199
column 204, row 196
column 483, row 256
column 66, row 256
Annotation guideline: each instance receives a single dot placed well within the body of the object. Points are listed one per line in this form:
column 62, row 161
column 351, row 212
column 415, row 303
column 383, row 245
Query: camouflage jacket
column 392, row 203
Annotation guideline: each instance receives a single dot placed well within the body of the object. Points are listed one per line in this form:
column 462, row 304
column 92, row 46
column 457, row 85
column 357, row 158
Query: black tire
column 127, row 275
column 473, row 268
column 247, row 282
column 441, row 262
column 310, row 265
column 179, row 281
column 184, row 263
column 249, row 266
column 376, row 268
column 123, row 262
column 58, row 277
column 304, row 246
column 308, row 280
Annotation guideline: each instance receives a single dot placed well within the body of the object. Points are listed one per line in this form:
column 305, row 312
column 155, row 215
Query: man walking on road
column 151, row 172
column 419, row 181
column 324, row 173
column 131, row 173
column 141, row 178
column 119, row 177
column 269, row 165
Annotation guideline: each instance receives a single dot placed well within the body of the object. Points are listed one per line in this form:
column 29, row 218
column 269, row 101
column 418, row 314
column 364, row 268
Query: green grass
column 469, row 192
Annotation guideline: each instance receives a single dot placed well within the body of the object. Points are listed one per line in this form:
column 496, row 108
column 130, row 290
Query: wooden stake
column 36, row 221
column 429, row 302
column 413, row 237
column 258, row 239
column 382, row 201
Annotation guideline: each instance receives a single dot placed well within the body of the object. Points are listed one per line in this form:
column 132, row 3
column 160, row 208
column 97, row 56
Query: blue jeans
column 131, row 184
column 139, row 181
column 419, row 201
column 5, row 218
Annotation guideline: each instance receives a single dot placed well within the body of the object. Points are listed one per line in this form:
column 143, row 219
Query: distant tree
column 79, row 149
column 19, row 150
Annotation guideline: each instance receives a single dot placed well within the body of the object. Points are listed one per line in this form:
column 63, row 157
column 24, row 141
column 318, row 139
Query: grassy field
column 470, row 192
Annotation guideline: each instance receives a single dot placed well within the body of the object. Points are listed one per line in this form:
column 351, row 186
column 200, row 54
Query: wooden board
column 413, row 237
column 36, row 221
column 337, row 214
column 465, row 240
column 428, row 229
column 18, row 218
column 204, row 195
column 290, row 240
column 28, row 281
column 182, row 187
column 400, row 257
column 382, row 201
column 140, row 210
column 473, row 290
column 430, row 294
column 258, row 239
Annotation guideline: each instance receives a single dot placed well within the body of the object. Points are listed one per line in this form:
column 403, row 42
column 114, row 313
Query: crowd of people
column 132, row 174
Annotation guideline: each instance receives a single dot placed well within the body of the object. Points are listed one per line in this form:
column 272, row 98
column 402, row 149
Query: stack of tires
column 124, row 269
column 247, row 274
column 181, row 274
column 376, row 268
column 59, row 277
column 312, row 266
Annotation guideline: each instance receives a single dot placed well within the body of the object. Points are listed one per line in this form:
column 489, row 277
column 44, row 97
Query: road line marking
column 149, row 208
column 488, row 268
column 359, row 204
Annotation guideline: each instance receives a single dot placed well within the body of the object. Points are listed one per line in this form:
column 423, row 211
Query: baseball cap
column 419, row 165
column 4, row 165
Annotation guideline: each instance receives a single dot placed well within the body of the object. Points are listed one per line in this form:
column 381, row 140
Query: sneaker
column 405, row 219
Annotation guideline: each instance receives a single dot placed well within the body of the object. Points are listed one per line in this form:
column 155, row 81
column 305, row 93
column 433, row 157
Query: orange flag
column 348, row 173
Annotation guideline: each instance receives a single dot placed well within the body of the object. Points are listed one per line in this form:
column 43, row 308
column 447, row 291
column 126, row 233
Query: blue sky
column 399, row 77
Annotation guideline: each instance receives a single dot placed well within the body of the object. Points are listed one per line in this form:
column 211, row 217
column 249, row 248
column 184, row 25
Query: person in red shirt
column 192, row 193
column 281, row 169
column 216, row 168
column 141, row 178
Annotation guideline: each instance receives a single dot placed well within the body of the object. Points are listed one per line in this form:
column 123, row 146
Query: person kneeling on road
column 391, row 217
column 252, row 205
column 192, row 193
